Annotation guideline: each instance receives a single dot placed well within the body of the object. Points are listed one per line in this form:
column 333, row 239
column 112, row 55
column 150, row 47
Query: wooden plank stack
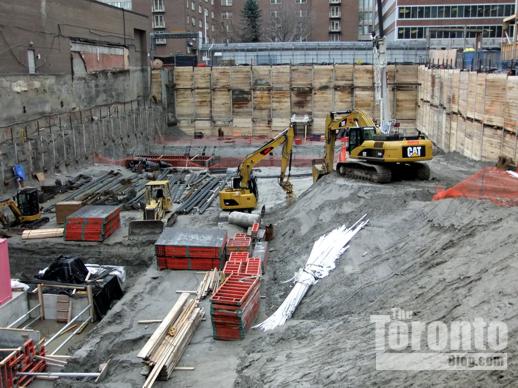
column 209, row 284
column 35, row 234
column 166, row 346
column 191, row 249
column 92, row 223
column 234, row 307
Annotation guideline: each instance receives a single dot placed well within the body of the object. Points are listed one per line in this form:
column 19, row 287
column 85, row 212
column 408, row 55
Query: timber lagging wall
column 245, row 100
column 475, row 114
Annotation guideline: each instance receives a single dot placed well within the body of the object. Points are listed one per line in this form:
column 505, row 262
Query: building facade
column 300, row 20
column 447, row 23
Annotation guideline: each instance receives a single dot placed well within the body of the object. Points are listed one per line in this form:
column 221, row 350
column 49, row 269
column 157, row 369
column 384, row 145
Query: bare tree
column 287, row 22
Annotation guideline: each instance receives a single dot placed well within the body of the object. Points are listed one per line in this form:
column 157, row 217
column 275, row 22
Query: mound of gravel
column 447, row 260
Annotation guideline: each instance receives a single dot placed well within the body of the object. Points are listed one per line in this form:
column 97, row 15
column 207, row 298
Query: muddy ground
column 448, row 260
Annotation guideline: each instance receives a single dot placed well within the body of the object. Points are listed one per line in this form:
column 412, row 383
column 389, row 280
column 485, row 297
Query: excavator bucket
column 148, row 230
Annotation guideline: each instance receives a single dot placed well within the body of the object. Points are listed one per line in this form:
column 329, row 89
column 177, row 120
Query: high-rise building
column 451, row 23
column 301, row 20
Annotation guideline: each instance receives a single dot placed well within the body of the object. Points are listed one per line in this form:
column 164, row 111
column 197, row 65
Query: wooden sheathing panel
column 463, row 92
column 241, row 102
column 364, row 100
column 495, row 99
column 279, row 124
column 221, row 77
column 343, row 75
column 262, row 104
column 184, row 104
column 202, row 76
column 281, row 104
column 261, row 76
column 240, row 78
column 492, row 143
column 301, row 98
column 262, row 128
column 343, row 98
column 183, row 77
column 510, row 144
column 460, row 135
column 436, row 87
column 453, row 133
column 301, row 76
column 472, row 95
column 319, row 124
column 204, row 126
column 454, row 86
column 481, row 96
column 511, row 105
column 281, row 77
column 323, row 77
column 322, row 102
column 406, row 104
column 242, row 126
column 222, row 104
column 363, row 76
column 477, row 131
column 186, row 126
column 406, row 74
column 202, row 101
column 445, row 88
column 445, row 130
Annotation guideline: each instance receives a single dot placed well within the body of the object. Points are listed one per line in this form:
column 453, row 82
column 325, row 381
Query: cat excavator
column 373, row 156
column 242, row 193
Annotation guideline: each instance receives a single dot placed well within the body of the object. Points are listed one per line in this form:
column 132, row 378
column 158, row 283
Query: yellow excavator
column 242, row 194
column 373, row 156
column 25, row 208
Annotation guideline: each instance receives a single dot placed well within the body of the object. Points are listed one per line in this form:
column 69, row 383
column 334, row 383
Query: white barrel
column 243, row 219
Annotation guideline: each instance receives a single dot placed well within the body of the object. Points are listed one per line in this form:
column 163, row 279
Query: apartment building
column 301, row 20
column 447, row 23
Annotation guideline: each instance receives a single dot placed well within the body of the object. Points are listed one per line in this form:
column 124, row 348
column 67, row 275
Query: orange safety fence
column 490, row 183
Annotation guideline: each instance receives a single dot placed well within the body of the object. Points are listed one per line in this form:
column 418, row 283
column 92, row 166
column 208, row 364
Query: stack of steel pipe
column 199, row 198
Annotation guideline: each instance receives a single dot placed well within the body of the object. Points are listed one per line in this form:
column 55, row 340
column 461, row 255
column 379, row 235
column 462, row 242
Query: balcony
column 335, row 1
column 335, row 28
column 160, row 41
column 335, row 15
column 159, row 24
column 159, row 8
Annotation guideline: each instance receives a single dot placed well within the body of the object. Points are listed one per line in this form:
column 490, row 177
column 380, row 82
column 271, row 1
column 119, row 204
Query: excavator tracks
column 383, row 173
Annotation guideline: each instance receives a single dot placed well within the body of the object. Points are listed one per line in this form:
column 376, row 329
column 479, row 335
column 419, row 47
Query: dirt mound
column 447, row 260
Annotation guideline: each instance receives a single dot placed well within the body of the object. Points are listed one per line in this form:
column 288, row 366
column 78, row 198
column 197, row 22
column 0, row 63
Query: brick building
column 452, row 23
column 301, row 20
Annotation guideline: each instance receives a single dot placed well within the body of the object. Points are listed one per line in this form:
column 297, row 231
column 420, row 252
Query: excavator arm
column 243, row 193
column 336, row 122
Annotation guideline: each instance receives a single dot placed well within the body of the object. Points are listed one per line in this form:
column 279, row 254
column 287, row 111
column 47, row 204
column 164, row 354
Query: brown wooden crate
column 64, row 209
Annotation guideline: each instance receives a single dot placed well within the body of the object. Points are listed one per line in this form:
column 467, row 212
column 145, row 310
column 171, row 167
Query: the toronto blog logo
column 403, row 343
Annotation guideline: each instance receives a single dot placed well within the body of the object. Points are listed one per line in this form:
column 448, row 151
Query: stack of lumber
column 234, row 307
column 64, row 209
column 33, row 234
column 92, row 223
column 191, row 249
column 209, row 284
column 167, row 344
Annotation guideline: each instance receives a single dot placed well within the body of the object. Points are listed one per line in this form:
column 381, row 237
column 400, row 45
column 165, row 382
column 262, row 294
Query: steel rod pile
column 199, row 198
column 326, row 250
column 166, row 346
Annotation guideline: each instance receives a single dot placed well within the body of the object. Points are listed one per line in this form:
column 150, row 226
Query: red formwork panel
column 234, row 290
column 252, row 267
column 255, row 229
column 22, row 360
column 240, row 245
column 187, row 263
column 238, row 256
column 240, row 236
column 92, row 223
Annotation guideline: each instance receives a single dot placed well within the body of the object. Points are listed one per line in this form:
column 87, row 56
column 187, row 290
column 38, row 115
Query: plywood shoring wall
column 245, row 100
column 475, row 114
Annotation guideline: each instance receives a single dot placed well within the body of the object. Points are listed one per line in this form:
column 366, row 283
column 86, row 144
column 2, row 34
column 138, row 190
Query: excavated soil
column 446, row 260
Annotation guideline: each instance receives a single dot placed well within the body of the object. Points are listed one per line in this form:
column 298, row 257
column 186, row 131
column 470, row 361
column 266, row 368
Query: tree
column 251, row 22
column 288, row 23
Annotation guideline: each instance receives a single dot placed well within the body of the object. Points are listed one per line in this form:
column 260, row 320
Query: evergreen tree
column 251, row 21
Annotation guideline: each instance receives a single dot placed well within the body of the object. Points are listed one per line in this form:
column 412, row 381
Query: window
column 413, row 12
column 158, row 21
column 193, row 6
column 334, row 11
column 212, row 28
column 404, row 12
column 434, row 12
column 226, row 3
column 335, row 25
column 200, row 9
column 275, row 14
column 275, row 1
column 334, row 37
column 226, row 15
column 300, row 1
column 427, row 11
column 158, row 5
column 301, row 13
column 200, row 23
column 193, row 21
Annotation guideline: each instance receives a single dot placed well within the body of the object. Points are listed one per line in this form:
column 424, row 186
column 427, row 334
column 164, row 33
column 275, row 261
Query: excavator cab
column 25, row 207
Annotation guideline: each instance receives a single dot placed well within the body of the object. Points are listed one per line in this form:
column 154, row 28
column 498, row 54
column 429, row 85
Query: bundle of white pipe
column 244, row 219
column 326, row 250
